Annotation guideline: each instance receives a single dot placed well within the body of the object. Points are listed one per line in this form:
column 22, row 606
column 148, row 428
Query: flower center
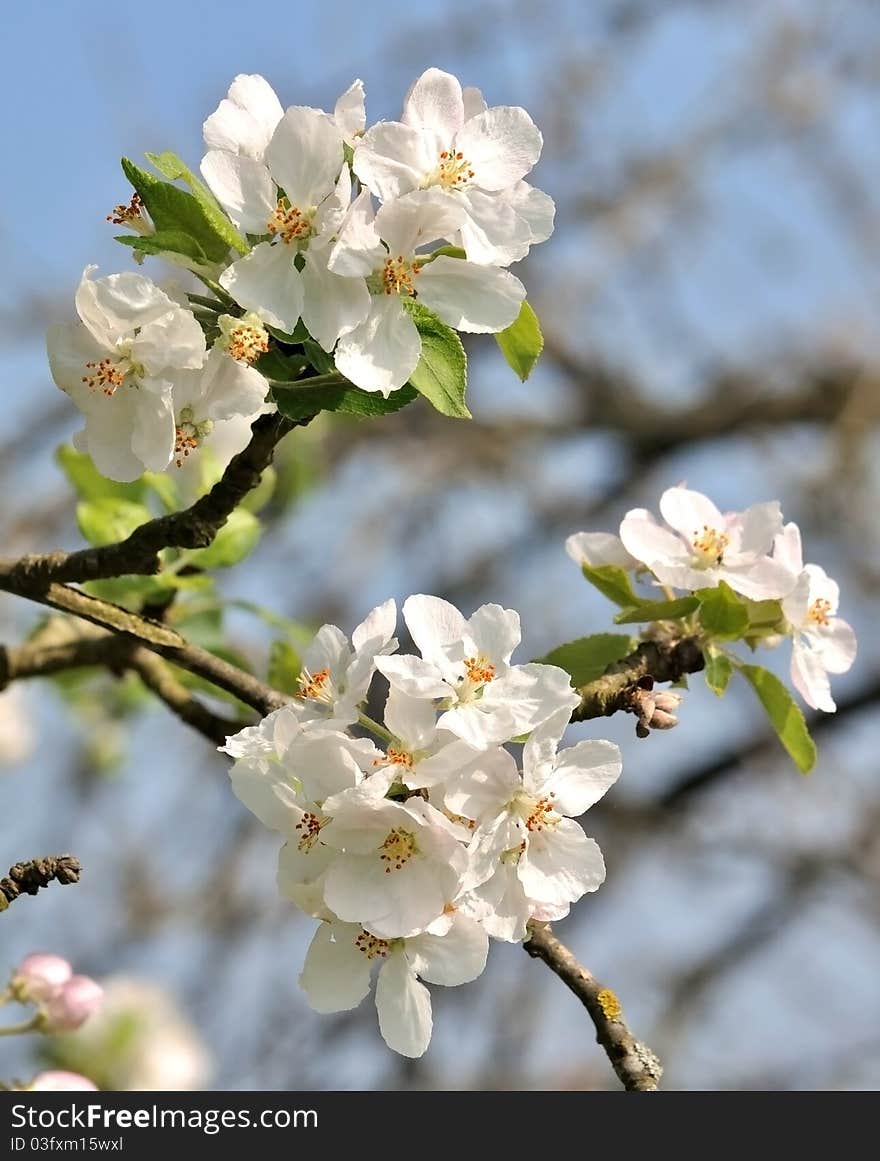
column 537, row 813
column 189, row 433
column 290, row 223
column 819, row 612
column 479, row 670
column 395, row 757
column 310, row 825
column 709, row 545
column 106, row 374
column 371, row 946
column 398, row 276
column 132, row 215
column 397, row 849
column 453, row 170
column 245, row 339
column 317, row 686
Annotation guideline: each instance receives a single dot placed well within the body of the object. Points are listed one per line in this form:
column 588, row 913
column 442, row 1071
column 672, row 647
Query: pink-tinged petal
column 435, row 102
column 500, row 145
column 245, row 119
column 492, row 233
column 335, row 975
column 305, row 155
column 471, row 298
column 413, row 676
column 434, row 625
column 455, row 958
column 764, row 579
column 836, row 645
column 758, row 527
column 404, row 1007
column 243, row 187
column 687, row 512
column 381, row 353
column 787, row 549
column 350, row 112
column 417, row 219
column 599, row 548
column 392, row 159
column 332, row 305
column 645, row 540
column 810, row 679
column 174, row 340
column 822, row 587
column 583, row 774
column 267, row 282
column 561, row 865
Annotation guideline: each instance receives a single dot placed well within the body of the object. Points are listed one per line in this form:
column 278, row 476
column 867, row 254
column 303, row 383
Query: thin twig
column 27, row 878
column 636, row 1066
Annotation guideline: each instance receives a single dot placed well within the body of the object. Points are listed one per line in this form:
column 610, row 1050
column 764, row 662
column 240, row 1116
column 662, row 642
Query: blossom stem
column 375, row 728
column 208, row 303
column 31, row 1025
column 217, row 290
column 334, row 379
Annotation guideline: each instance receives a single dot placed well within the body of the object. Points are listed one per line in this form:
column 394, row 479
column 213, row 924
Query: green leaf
column 300, row 402
column 613, row 583
column 170, row 166
column 284, row 667
column 723, row 614
column 718, row 671
column 176, row 210
column 236, row 539
column 449, row 252
column 764, row 614
column 108, row 519
column 588, row 657
column 441, row 375
column 784, row 714
column 283, row 368
column 522, row 342
column 87, row 481
column 657, row 611
column 166, row 242
column 318, row 357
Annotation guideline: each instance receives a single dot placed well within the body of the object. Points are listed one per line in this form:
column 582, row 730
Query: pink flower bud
column 61, row 1082
column 72, row 1004
column 38, row 977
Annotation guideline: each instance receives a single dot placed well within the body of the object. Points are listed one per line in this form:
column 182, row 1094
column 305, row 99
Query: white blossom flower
column 527, row 850
column 702, row 547
column 466, row 664
column 596, row 549
column 16, row 729
column 56, row 1080
column 305, row 160
column 336, row 675
column 398, row 864
column 450, row 142
column 337, row 969
column 822, row 642
column 382, row 352
column 119, row 366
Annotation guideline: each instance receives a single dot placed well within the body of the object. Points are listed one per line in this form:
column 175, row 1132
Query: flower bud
column 72, row 1004
column 38, row 977
column 61, row 1082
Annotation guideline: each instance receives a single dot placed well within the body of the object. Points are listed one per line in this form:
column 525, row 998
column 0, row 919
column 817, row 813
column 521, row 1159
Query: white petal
column 108, row 434
column 410, row 719
column 435, row 102
column 382, row 353
column 810, row 679
column 599, row 548
column 434, row 625
column 418, row 219
column 335, row 975
column 377, row 628
column 305, row 155
column 648, row 542
column 836, row 645
column 787, row 549
column 796, row 604
column 401, row 903
column 476, row 299
column 493, row 233
column 583, row 774
column 758, row 526
column 413, row 676
column 300, row 868
column 245, row 120
column 495, row 632
column 112, row 307
column 232, row 388
column 561, row 865
column 174, row 340
column 762, row 580
column 323, row 763
column 474, row 102
column 265, row 791
column 267, row 282
column 501, row 146
column 391, row 160
column 350, row 112
column 243, row 187
column 452, row 959
column 70, row 346
column 404, row 1007
column 535, row 207
column 358, row 250
column 822, row 587
column 332, row 212
column 688, row 511
column 488, row 783
column 332, row 305
column 152, row 438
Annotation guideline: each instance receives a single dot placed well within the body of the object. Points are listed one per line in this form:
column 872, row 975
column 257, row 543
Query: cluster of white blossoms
column 415, row 840
column 342, row 225
column 756, row 554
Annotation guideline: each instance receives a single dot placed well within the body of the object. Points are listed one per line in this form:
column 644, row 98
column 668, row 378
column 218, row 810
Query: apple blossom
column 119, row 366
column 596, row 549
column 701, row 547
column 70, row 1005
column 382, row 352
column 38, row 977
column 56, row 1080
column 822, row 642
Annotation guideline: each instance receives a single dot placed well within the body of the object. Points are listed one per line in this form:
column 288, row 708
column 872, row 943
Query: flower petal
column 493, row 233
column 836, row 645
column 350, row 112
column 404, row 1007
column 392, row 159
column 649, row 542
column 413, row 676
column 245, row 119
column 455, row 958
column 381, row 353
column 267, row 282
column 173, row 340
column 243, row 187
column 419, row 218
column 599, row 548
column 336, row 975
column 305, row 155
column 434, row 625
column 810, row 679
column 501, row 145
column 476, row 299
column 113, row 306
column 332, row 305
column 561, row 865
column 494, row 632
column 435, row 102
column 584, row 772
column 687, row 511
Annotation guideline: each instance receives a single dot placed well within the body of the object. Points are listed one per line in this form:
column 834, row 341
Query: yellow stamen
column 397, row 849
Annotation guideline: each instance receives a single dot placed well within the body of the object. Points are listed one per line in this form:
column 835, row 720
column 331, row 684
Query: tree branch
column 28, row 878
column 663, row 660
column 194, row 527
column 158, row 678
column 636, row 1066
